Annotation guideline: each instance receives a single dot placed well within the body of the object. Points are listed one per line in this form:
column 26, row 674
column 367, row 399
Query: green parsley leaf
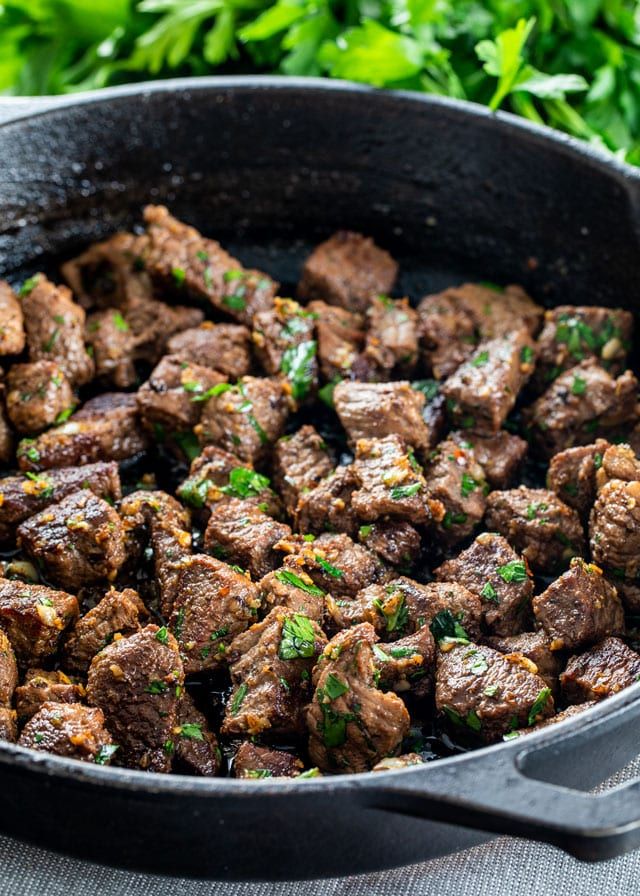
column 245, row 483
column 405, row 491
column 396, row 615
column 157, row 687
column 162, row 634
column 538, row 706
column 333, row 687
column 298, row 365
column 578, row 386
column 444, row 625
column 468, row 485
column 179, row 276
column 192, row 731
column 298, row 638
column 287, row 577
column 328, row 567
column 28, row 285
column 489, row 593
column 514, row 571
column 480, row 359
column 104, row 754
column 119, row 322
column 238, row 699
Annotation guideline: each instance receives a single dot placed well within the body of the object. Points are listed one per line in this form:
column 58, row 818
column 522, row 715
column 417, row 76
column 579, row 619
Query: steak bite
column 352, row 725
column 375, row 410
column 38, row 395
column 535, row 647
column 216, row 476
column 136, row 681
column 283, row 339
column 394, row 541
column 223, row 347
column 499, row 454
column 340, row 335
column 294, row 591
column 241, row 533
column 391, row 481
column 40, row 687
column 172, row 397
column 489, row 694
column 78, row 541
column 196, row 747
column 572, row 475
column 8, row 725
column 113, row 347
column 618, row 462
column 252, row 761
column 300, row 462
column 270, row 667
column 6, row 433
column 392, row 336
column 34, row 618
column 74, row 731
column 600, row 672
column 614, row 528
column 118, row 613
column 110, row 273
column 538, row 525
column 456, row 491
column 8, row 670
column 491, row 569
column 11, row 322
column 407, row 664
column 348, row 269
column 579, row 608
column 328, row 507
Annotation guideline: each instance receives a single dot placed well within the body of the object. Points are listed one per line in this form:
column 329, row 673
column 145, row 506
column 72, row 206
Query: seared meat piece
column 173, row 395
column 340, row 338
column 352, row 725
column 118, row 613
column 375, row 410
column 603, row 670
column 348, row 269
column 152, row 323
column 34, row 619
column 392, row 337
column 6, row 433
column 300, row 462
column 40, row 687
column 394, row 541
column 499, row 454
column 11, row 321
column 581, row 402
column 572, row 475
column 567, row 713
column 270, row 667
column 629, row 594
column 455, row 491
column 216, row 476
column 105, row 428
column 618, row 462
column 55, row 329
column 483, row 390
column 535, row 647
column 538, row 525
column 8, row 670
column 78, row 732
column 327, row 507
column 252, row 761
column 614, row 528
column 241, row 533
column 136, row 681
column 284, row 343
column 244, row 419
column 407, row 664
column 196, row 746
column 488, row 693
column 8, row 724
column 295, row 591
column 181, row 261
column 110, row 273
column 579, row 608
column 38, row 395
column 22, row 496
column 491, row 569
column 113, row 346
column 213, row 604
column 391, row 481
column 78, row 541
column 224, row 347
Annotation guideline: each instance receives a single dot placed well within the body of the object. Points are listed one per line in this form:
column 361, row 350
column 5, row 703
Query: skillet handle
column 16, row 106
column 524, row 787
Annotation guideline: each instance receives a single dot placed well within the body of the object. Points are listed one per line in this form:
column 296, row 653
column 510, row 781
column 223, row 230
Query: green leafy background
column 574, row 64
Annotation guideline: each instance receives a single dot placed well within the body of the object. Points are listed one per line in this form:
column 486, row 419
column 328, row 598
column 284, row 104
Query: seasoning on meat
column 38, row 395
column 340, row 334
column 499, row 454
column 300, row 462
column 11, row 321
column 117, row 614
column 375, row 410
column 614, row 528
column 241, row 533
column 223, row 347
column 456, row 491
column 40, row 687
column 605, row 669
column 75, row 731
column 572, row 475
column 34, row 619
column 392, row 336
column 254, row 762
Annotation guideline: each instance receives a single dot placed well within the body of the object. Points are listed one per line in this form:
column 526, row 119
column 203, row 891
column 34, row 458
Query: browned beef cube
column 407, row 664
column 8, row 670
column 618, row 462
column 456, row 491
column 499, row 454
column 11, row 321
column 252, row 761
column 224, row 347
column 136, row 682
column 244, row 419
column 110, row 273
column 375, row 410
column 213, row 604
column 38, row 395
column 153, row 323
column 340, row 338
column 6, row 433
column 327, row 507
column 173, row 395
column 580, row 403
column 284, row 336
column 55, row 329
column 535, row 647
column 579, row 608
column 394, row 541
column 391, row 481
column 118, row 613
column 8, row 724
column 614, row 528
column 538, row 525
column 491, row 569
column 603, row 670
column 392, row 337
column 300, row 462
column 348, row 269
column 22, row 496
column 34, row 619
column 75, row 731
column 572, row 475
column 217, row 476
column 567, row 713
column 270, row 667
column 295, row 591
column 78, row 541
column 105, row 428
column 629, row 594
column 196, row 746
column 352, row 725
column 40, row 687
column 241, row 533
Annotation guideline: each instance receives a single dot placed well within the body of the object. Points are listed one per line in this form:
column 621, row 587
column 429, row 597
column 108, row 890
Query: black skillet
column 270, row 166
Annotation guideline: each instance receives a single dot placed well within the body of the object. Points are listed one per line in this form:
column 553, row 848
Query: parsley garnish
column 333, row 687
column 287, row 577
column 325, row 394
column 194, row 492
column 192, row 731
column 119, row 322
column 579, row 385
column 157, row 687
column 444, row 626
column 28, row 285
column 328, row 567
column 162, row 634
column 396, row 617
column 298, row 638
column 297, row 364
column 526, row 354
column 63, row 416
column 514, row 571
column 468, row 485
column 489, row 593
column 451, row 519
column 405, row 491
column 480, row 359
column 179, row 276
column 244, row 483
column 238, row 697
column 538, row 705
column 105, row 753
column 429, row 388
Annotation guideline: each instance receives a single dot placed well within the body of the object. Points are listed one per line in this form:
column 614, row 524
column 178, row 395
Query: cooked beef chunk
column 394, row 541
column 392, row 337
column 34, row 619
column 535, row 647
column 618, row 462
column 8, row 670
column 327, row 507
column 173, row 395
column 538, row 525
column 407, row 664
column 489, row 694
column 572, row 475
column 455, row 491
column 375, row 410
column 213, row 604
column 40, row 687
column 270, row 667
column 110, row 273
column 283, row 338
column 352, row 725
column 6, row 433
column 244, row 419
column 391, row 482
column 295, row 591
column 243, row 534
column 136, row 681
column 78, row 541
column 491, row 569
column 224, row 347
column 75, row 731
column 603, row 670
column 499, row 454
column 348, row 269
column 567, row 713
column 300, row 462
column 11, row 321
column 8, row 724
column 629, row 594
column 252, row 761
column 340, row 338
column 396, row 763
column 23, row 496
column 614, row 528
column 583, row 401
column 113, row 346
column 579, row 608
column 217, row 476
column 55, row 329
column 196, row 746
column 105, row 428
column 483, row 390
column 38, row 395
column 118, row 613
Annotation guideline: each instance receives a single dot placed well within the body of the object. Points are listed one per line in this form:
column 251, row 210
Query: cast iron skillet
column 271, row 166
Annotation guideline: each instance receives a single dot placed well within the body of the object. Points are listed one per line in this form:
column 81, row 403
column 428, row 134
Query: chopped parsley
column 526, row 354
column 162, row 634
column 489, row 593
column 325, row 394
column 539, row 705
column 157, row 687
column 533, row 510
column 287, row 577
column 578, row 386
column 429, row 388
column 194, row 492
column 45, row 485
column 298, row 638
column 597, row 460
column 333, row 687
column 245, row 483
column 478, row 663
column 446, row 627
column 238, row 699
column 405, row 491
column 450, row 519
column 119, row 322
column 28, row 285
column 179, row 276
column 298, row 364
column 468, row 485
column 480, row 359
column 328, row 567
column 396, row 616
column 259, row 773
column 104, row 754
column 192, row 731
column 212, row 392
column 63, row 416
column 514, row 571
column 365, row 531
column 51, row 341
